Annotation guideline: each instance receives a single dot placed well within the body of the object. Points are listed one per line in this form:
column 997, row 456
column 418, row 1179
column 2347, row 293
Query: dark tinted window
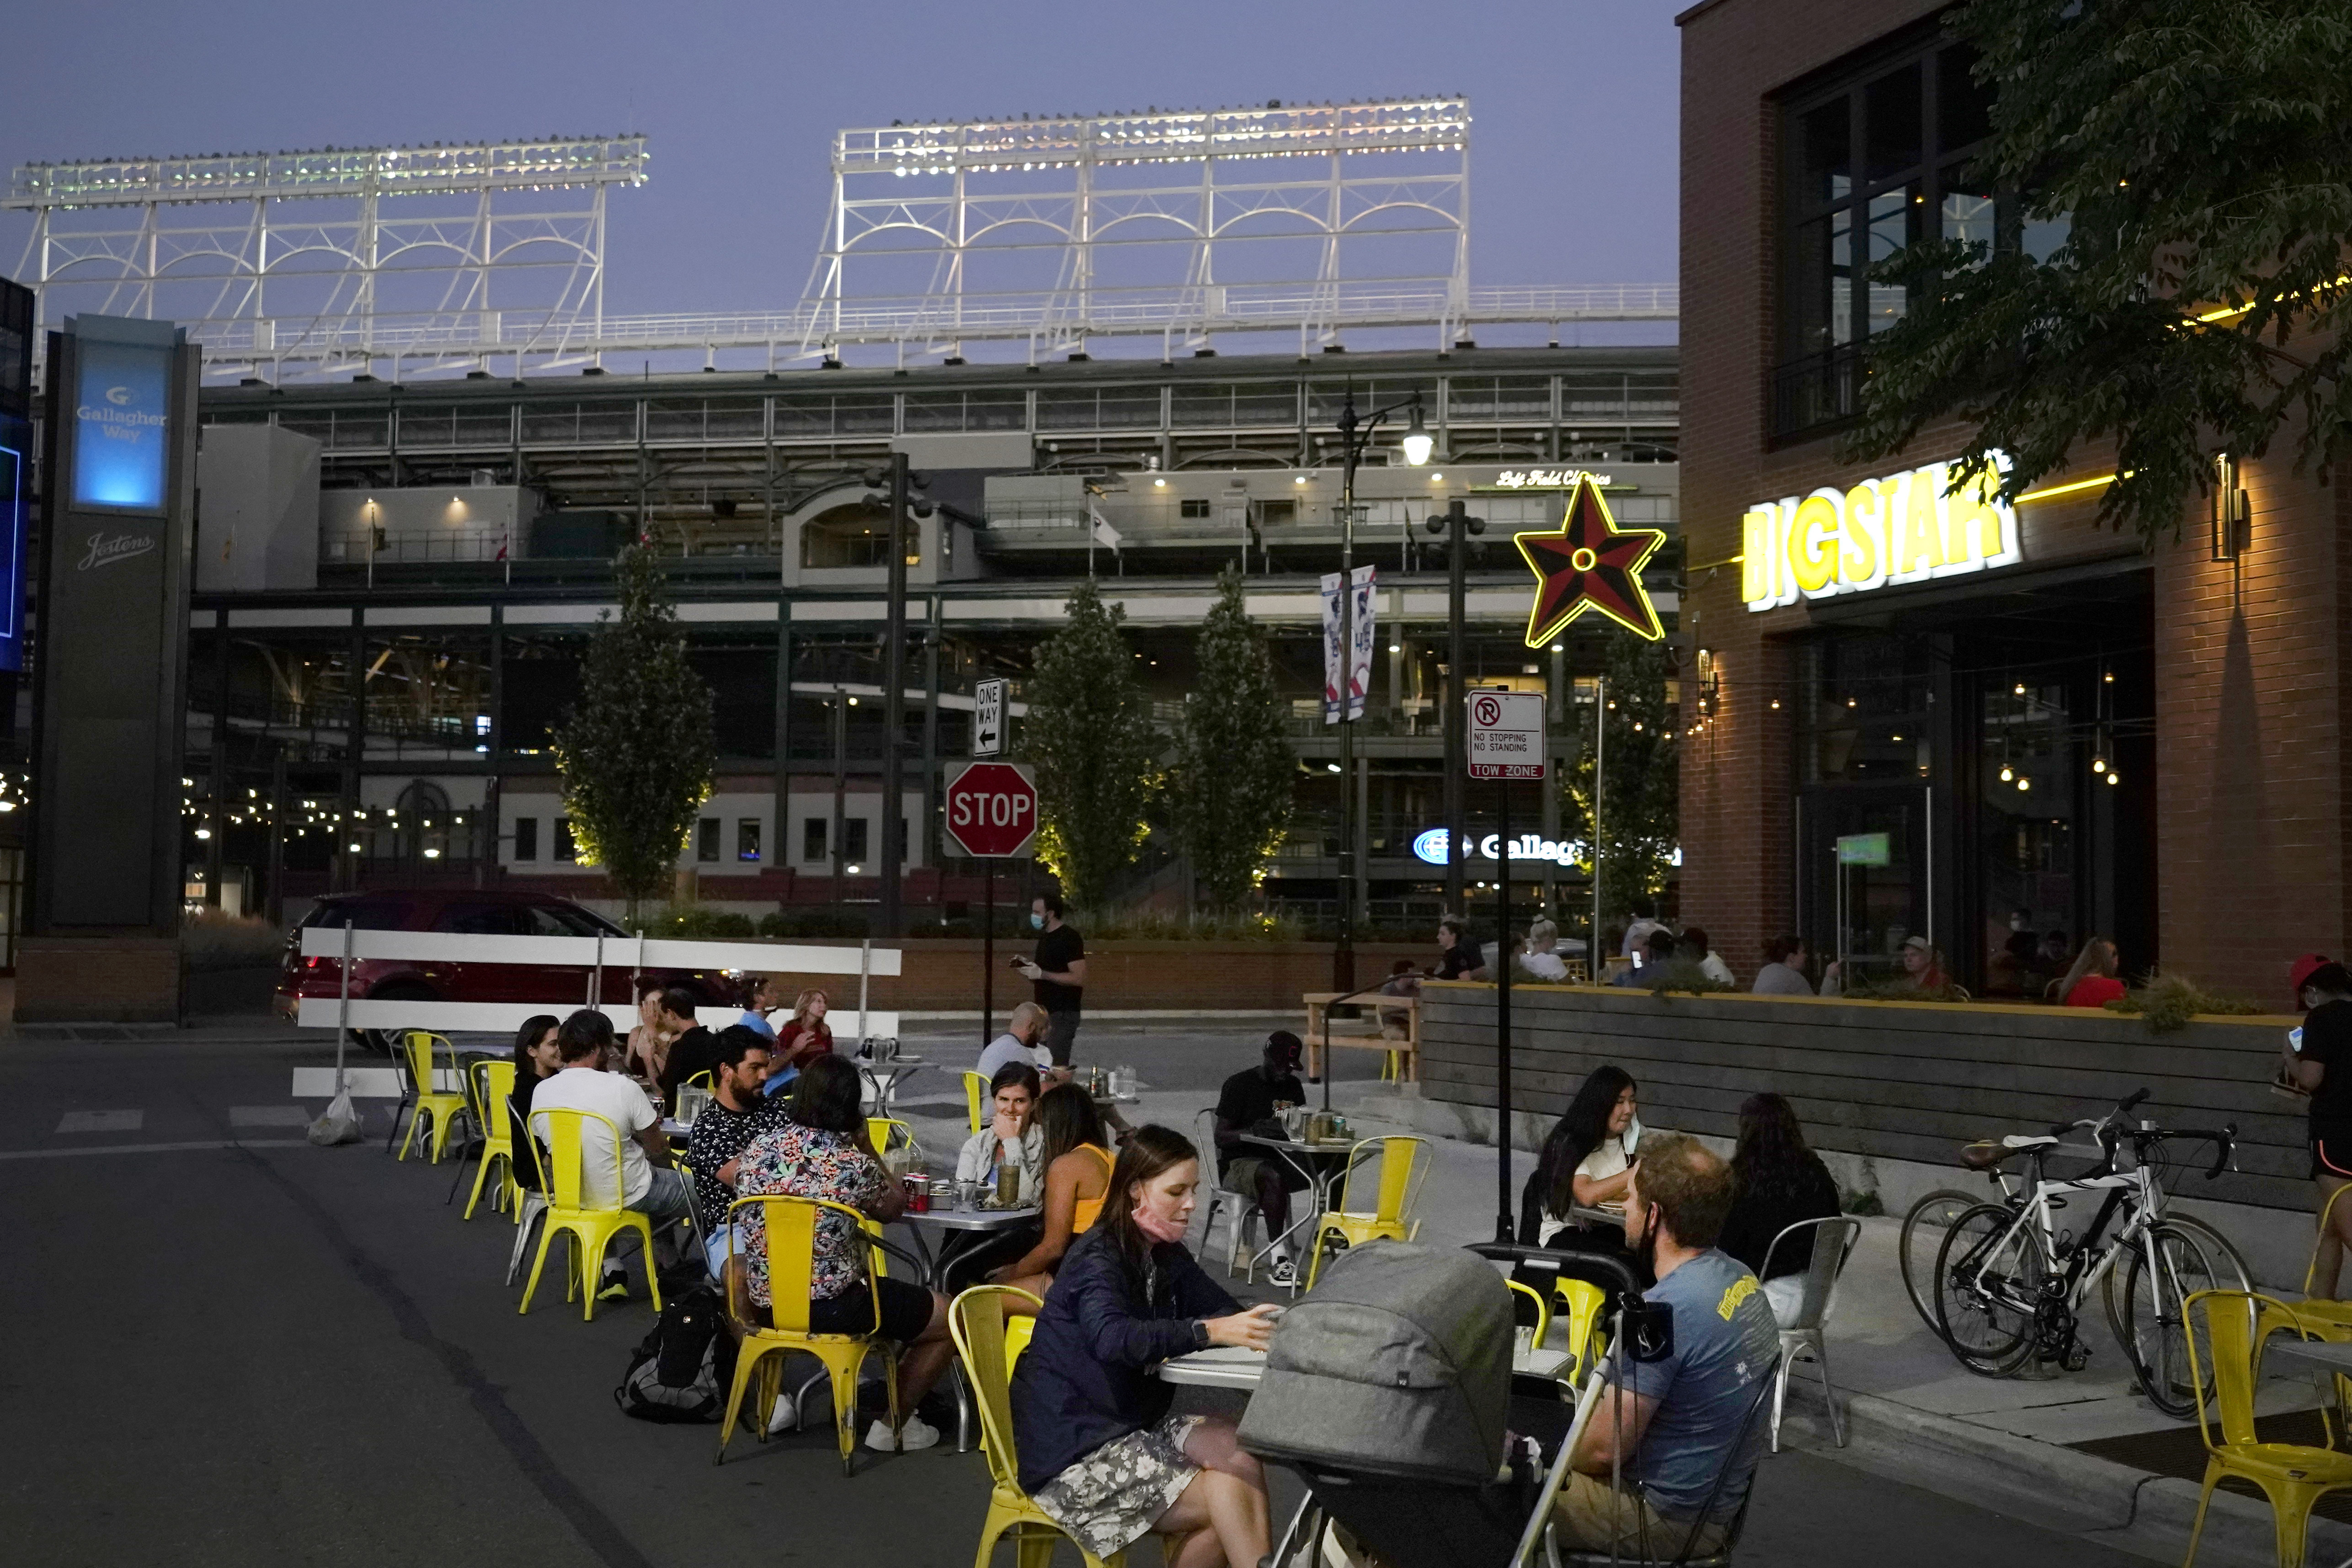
column 362, row 914
column 480, row 920
column 1963, row 108
column 526, row 838
column 562, row 920
column 1824, row 171
column 1891, row 130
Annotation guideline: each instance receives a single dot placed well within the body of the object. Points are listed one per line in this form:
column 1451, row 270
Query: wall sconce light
column 2233, row 517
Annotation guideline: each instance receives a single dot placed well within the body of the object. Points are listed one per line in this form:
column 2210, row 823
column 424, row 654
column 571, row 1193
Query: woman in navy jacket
column 1099, row 1451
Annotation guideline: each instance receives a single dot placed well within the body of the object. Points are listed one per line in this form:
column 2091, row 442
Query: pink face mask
column 1151, row 1222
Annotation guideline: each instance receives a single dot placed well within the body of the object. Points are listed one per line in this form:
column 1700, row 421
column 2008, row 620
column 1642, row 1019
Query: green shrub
column 2167, row 1001
column 1158, row 925
column 811, row 923
column 1904, row 990
column 211, row 940
column 697, row 922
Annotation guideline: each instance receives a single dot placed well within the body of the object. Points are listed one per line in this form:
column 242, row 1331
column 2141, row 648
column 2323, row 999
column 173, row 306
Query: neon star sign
column 1589, row 563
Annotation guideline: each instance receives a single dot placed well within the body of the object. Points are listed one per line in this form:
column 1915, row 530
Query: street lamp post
column 906, row 504
column 1456, row 523
column 1355, row 435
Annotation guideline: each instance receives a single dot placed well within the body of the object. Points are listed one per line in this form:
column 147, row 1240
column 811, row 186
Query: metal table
column 2325, row 1359
column 1314, row 1162
column 884, row 1076
column 948, row 1224
column 1230, row 1366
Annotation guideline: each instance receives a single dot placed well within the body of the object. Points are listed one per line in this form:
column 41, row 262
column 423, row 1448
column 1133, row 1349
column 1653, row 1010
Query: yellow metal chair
column 493, row 1087
column 1402, row 1170
column 1543, row 1311
column 2293, row 1476
column 443, row 1105
column 701, row 1080
column 975, row 1099
column 789, row 1234
column 591, row 1219
column 976, row 1318
column 887, row 1133
column 1580, row 1301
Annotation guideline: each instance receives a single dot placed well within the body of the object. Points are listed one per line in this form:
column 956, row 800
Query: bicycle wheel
column 2150, row 1321
column 1924, row 1225
column 1989, row 1275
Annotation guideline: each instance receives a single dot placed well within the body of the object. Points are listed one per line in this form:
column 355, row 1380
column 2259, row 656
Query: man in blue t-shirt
column 1676, row 1423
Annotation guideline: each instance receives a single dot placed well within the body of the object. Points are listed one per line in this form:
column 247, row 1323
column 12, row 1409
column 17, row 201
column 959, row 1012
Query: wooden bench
column 1364, row 1033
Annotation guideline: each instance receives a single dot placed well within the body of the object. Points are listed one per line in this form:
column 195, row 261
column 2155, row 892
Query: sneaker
column 1282, row 1271
column 916, row 1434
column 787, row 1417
column 616, row 1288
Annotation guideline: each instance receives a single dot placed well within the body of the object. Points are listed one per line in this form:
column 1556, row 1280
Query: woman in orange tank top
column 1077, row 1161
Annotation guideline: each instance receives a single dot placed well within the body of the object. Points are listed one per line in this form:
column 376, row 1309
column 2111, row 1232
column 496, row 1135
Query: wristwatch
column 1200, row 1333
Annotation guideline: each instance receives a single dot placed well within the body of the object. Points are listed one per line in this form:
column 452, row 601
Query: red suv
column 468, row 912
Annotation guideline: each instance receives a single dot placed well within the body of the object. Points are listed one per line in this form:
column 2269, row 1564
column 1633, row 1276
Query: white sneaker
column 1282, row 1271
column 916, row 1434
column 787, row 1417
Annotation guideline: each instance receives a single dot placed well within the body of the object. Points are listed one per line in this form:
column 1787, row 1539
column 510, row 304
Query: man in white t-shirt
column 1021, row 1043
column 658, row 1190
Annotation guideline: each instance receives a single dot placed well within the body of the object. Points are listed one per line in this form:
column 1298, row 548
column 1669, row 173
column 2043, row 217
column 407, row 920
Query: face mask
column 1036, row 922
column 1158, row 1226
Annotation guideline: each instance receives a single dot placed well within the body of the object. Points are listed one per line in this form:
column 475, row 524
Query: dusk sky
column 1573, row 153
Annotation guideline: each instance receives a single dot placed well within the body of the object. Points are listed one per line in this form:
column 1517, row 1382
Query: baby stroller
column 1387, row 1389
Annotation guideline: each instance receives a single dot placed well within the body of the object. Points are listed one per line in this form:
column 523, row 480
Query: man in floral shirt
column 823, row 1153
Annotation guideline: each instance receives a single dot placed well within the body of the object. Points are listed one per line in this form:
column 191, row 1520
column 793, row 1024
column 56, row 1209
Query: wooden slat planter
column 1904, row 1080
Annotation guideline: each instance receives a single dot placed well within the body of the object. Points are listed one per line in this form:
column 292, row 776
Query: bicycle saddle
column 1984, row 1156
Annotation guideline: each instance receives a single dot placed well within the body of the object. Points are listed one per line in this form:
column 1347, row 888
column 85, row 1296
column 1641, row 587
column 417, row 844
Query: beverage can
column 918, row 1194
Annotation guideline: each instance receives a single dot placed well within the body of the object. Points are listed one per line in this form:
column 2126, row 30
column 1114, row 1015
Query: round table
column 884, row 1076
column 1313, row 1160
column 1230, row 1366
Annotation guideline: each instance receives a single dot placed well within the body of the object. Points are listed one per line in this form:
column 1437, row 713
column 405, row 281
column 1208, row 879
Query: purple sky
column 1573, row 155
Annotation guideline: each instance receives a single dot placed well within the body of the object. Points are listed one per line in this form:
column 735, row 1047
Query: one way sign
column 988, row 719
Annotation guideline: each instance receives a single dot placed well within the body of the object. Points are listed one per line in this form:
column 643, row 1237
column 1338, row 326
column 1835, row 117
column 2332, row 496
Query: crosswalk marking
column 102, row 1121
column 269, row 1116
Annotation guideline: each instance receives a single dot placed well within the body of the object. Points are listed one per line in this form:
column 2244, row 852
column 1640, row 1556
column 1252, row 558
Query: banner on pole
column 1363, row 630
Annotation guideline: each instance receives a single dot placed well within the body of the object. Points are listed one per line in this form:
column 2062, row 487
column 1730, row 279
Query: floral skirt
column 1116, row 1494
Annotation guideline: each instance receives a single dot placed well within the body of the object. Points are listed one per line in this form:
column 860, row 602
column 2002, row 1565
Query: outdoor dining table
column 2327, row 1360
column 884, row 1076
column 1230, row 1366
column 1322, row 1162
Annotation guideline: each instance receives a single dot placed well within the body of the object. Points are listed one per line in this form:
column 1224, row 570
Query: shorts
column 1061, row 1030
column 1241, row 1173
column 1589, row 1515
column 905, row 1311
column 2331, row 1157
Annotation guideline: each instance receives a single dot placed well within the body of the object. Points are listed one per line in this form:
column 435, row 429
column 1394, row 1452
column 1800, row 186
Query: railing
column 1816, row 391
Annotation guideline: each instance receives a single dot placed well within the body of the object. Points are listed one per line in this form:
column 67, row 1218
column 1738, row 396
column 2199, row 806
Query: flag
column 1100, row 531
column 1360, row 666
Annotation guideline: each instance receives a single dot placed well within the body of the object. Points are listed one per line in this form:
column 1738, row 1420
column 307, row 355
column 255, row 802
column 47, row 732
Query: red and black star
column 1589, row 563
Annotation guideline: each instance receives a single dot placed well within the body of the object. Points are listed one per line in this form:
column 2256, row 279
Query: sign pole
column 1593, row 955
column 987, row 949
column 1504, row 1230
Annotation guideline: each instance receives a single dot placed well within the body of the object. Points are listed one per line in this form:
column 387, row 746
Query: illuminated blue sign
column 12, row 548
column 120, row 415
column 1430, row 845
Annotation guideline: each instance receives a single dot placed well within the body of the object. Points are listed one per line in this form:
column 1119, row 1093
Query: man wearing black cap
column 1250, row 1096
column 2319, row 1060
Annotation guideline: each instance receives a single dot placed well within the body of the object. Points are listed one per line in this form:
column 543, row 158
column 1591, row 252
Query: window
column 812, row 831
column 1193, row 506
column 480, row 920
column 566, row 847
column 706, row 841
column 747, row 839
column 857, row 534
column 526, row 838
column 1274, row 513
column 1873, row 160
column 854, row 837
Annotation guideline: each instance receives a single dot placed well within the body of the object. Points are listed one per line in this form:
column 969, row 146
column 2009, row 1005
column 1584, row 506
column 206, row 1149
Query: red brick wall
column 2252, row 843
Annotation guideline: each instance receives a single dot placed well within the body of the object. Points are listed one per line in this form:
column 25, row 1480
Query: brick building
column 2011, row 720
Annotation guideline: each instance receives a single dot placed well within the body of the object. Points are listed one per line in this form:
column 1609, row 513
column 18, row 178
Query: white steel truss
column 1059, row 230
column 336, row 257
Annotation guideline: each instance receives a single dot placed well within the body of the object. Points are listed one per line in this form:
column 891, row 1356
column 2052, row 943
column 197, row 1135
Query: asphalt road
column 229, row 1347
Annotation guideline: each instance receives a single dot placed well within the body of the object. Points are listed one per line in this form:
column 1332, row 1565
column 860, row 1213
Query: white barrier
column 617, row 953
column 506, row 1017
column 626, row 952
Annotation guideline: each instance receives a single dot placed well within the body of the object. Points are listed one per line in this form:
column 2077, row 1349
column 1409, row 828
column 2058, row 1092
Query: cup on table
column 1008, row 1187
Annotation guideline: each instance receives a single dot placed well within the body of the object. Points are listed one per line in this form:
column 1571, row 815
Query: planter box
column 1888, row 1080
column 944, row 973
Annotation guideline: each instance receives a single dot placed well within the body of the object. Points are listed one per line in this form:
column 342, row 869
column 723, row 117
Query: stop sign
column 993, row 809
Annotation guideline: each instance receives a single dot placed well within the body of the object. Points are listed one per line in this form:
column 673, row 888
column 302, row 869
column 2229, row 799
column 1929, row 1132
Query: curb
column 2045, row 1484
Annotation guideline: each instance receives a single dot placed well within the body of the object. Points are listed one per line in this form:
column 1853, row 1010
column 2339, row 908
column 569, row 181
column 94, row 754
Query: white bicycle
column 2012, row 1278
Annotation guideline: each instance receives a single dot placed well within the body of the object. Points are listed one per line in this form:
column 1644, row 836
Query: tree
column 2195, row 151
column 1231, row 787
column 635, row 750
column 1641, row 794
column 1089, row 736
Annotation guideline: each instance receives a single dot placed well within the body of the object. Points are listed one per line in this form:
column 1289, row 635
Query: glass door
column 1862, row 882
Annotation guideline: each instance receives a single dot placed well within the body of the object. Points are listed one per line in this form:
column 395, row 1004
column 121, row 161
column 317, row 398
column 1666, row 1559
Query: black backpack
column 681, row 1370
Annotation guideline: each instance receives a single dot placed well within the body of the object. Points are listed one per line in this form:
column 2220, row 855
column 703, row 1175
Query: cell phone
column 2295, row 1039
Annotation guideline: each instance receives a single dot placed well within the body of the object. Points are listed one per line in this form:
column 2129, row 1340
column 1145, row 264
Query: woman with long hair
column 1099, row 1451
column 647, row 1052
column 1077, row 1163
column 806, row 1035
column 1586, row 1160
column 2092, row 980
column 1777, row 1181
column 823, row 1153
column 536, row 1059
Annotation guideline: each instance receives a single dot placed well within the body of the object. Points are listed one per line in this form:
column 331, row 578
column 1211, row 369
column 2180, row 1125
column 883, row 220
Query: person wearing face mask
column 1058, row 970
column 1676, row 1424
column 1099, row 1451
